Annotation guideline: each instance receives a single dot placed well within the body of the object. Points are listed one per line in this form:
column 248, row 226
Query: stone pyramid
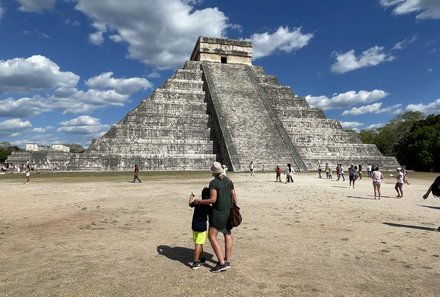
column 219, row 106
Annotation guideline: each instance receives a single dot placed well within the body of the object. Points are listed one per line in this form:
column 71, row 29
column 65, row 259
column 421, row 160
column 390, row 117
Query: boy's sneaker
column 203, row 260
column 196, row 265
column 219, row 268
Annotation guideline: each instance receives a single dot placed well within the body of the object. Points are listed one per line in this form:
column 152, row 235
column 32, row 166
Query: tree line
column 411, row 137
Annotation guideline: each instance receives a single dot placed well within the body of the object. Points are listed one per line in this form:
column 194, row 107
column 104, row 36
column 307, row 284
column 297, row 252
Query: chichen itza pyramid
column 219, row 106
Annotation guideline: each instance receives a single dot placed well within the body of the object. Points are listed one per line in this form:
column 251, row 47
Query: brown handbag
column 234, row 219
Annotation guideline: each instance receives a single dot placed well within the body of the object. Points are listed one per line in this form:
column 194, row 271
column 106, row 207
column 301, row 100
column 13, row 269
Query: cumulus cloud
column 13, row 127
column 345, row 100
column 425, row 9
column 156, row 34
column 351, row 125
column 83, row 125
column 33, row 74
column 122, row 86
column 375, row 126
column 348, row 61
column 284, row 39
column 373, row 108
column 58, row 89
column 36, row 5
column 430, row 108
column 24, row 107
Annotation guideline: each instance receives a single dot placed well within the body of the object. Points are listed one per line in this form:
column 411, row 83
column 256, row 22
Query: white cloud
column 33, row 74
column 373, row 108
column 265, row 44
column 83, row 125
column 375, row 126
column 157, row 34
column 24, row 107
column 36, row 5
column 351, row 125
column 122, row 86
column 430, row 108
column 13, row 127
column 41, row 129
column 348, row 61
column 2, row 10
column 404, row 43
column 425, row 9
column 58, row 89
column 345, row 100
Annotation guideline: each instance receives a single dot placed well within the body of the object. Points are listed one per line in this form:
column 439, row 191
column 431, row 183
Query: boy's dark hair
column 205, row 193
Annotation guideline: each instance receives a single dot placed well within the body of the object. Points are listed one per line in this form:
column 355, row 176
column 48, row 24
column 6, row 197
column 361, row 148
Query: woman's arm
column 234, row 196
column 212, row 198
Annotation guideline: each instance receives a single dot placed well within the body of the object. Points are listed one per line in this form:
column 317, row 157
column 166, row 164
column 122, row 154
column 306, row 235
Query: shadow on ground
column 411, row 226
column 181, row 254
column 429, row 206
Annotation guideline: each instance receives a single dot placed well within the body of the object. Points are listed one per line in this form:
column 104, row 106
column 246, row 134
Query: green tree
column 389, row 136
column 6, row 149
column 75, row 148
column 420, row 148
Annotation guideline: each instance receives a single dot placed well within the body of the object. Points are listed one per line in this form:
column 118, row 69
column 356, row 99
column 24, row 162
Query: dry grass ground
column 101, row 235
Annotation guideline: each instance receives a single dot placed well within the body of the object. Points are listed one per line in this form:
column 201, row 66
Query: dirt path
column 315, row 237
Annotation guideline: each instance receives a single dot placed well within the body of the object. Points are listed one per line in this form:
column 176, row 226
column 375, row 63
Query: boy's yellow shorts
column 199, row 237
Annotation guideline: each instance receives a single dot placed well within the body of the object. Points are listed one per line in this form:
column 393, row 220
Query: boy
column 199, row 227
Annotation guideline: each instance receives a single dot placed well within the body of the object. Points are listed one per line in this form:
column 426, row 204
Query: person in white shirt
column 377, row 177
column 399, row 183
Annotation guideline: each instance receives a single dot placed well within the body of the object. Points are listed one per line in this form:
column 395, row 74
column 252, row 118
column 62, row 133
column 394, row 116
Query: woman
column 289, row 173
column 222, row 193
column 377, row 177
column 399, row 182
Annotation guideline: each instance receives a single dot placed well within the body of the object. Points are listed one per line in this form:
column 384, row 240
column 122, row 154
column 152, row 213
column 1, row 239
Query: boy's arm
column 212, row 198
column 191, row 200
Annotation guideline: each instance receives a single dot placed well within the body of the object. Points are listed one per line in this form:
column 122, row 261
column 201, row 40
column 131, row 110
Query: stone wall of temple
column 167, row 131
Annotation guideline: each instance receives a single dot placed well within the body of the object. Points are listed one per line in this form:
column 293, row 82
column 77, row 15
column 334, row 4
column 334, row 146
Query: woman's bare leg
column 212, row 235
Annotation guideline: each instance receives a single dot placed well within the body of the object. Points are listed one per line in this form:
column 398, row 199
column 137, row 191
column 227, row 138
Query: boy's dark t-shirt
column 200, row 217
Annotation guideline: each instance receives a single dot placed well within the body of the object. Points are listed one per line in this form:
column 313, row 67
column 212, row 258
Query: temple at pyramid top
column 227, row 51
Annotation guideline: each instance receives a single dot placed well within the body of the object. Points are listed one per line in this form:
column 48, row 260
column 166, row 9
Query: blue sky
column 69, row 69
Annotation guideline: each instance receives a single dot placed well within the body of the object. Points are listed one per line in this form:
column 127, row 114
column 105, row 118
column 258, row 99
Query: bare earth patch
column 105, row 236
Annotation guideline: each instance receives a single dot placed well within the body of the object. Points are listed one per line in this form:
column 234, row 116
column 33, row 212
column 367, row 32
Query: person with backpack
column 434, row 188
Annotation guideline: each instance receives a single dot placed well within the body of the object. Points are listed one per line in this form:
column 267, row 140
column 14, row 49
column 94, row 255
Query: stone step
column 168, row 133
column 188, row 74
column 183, row 84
